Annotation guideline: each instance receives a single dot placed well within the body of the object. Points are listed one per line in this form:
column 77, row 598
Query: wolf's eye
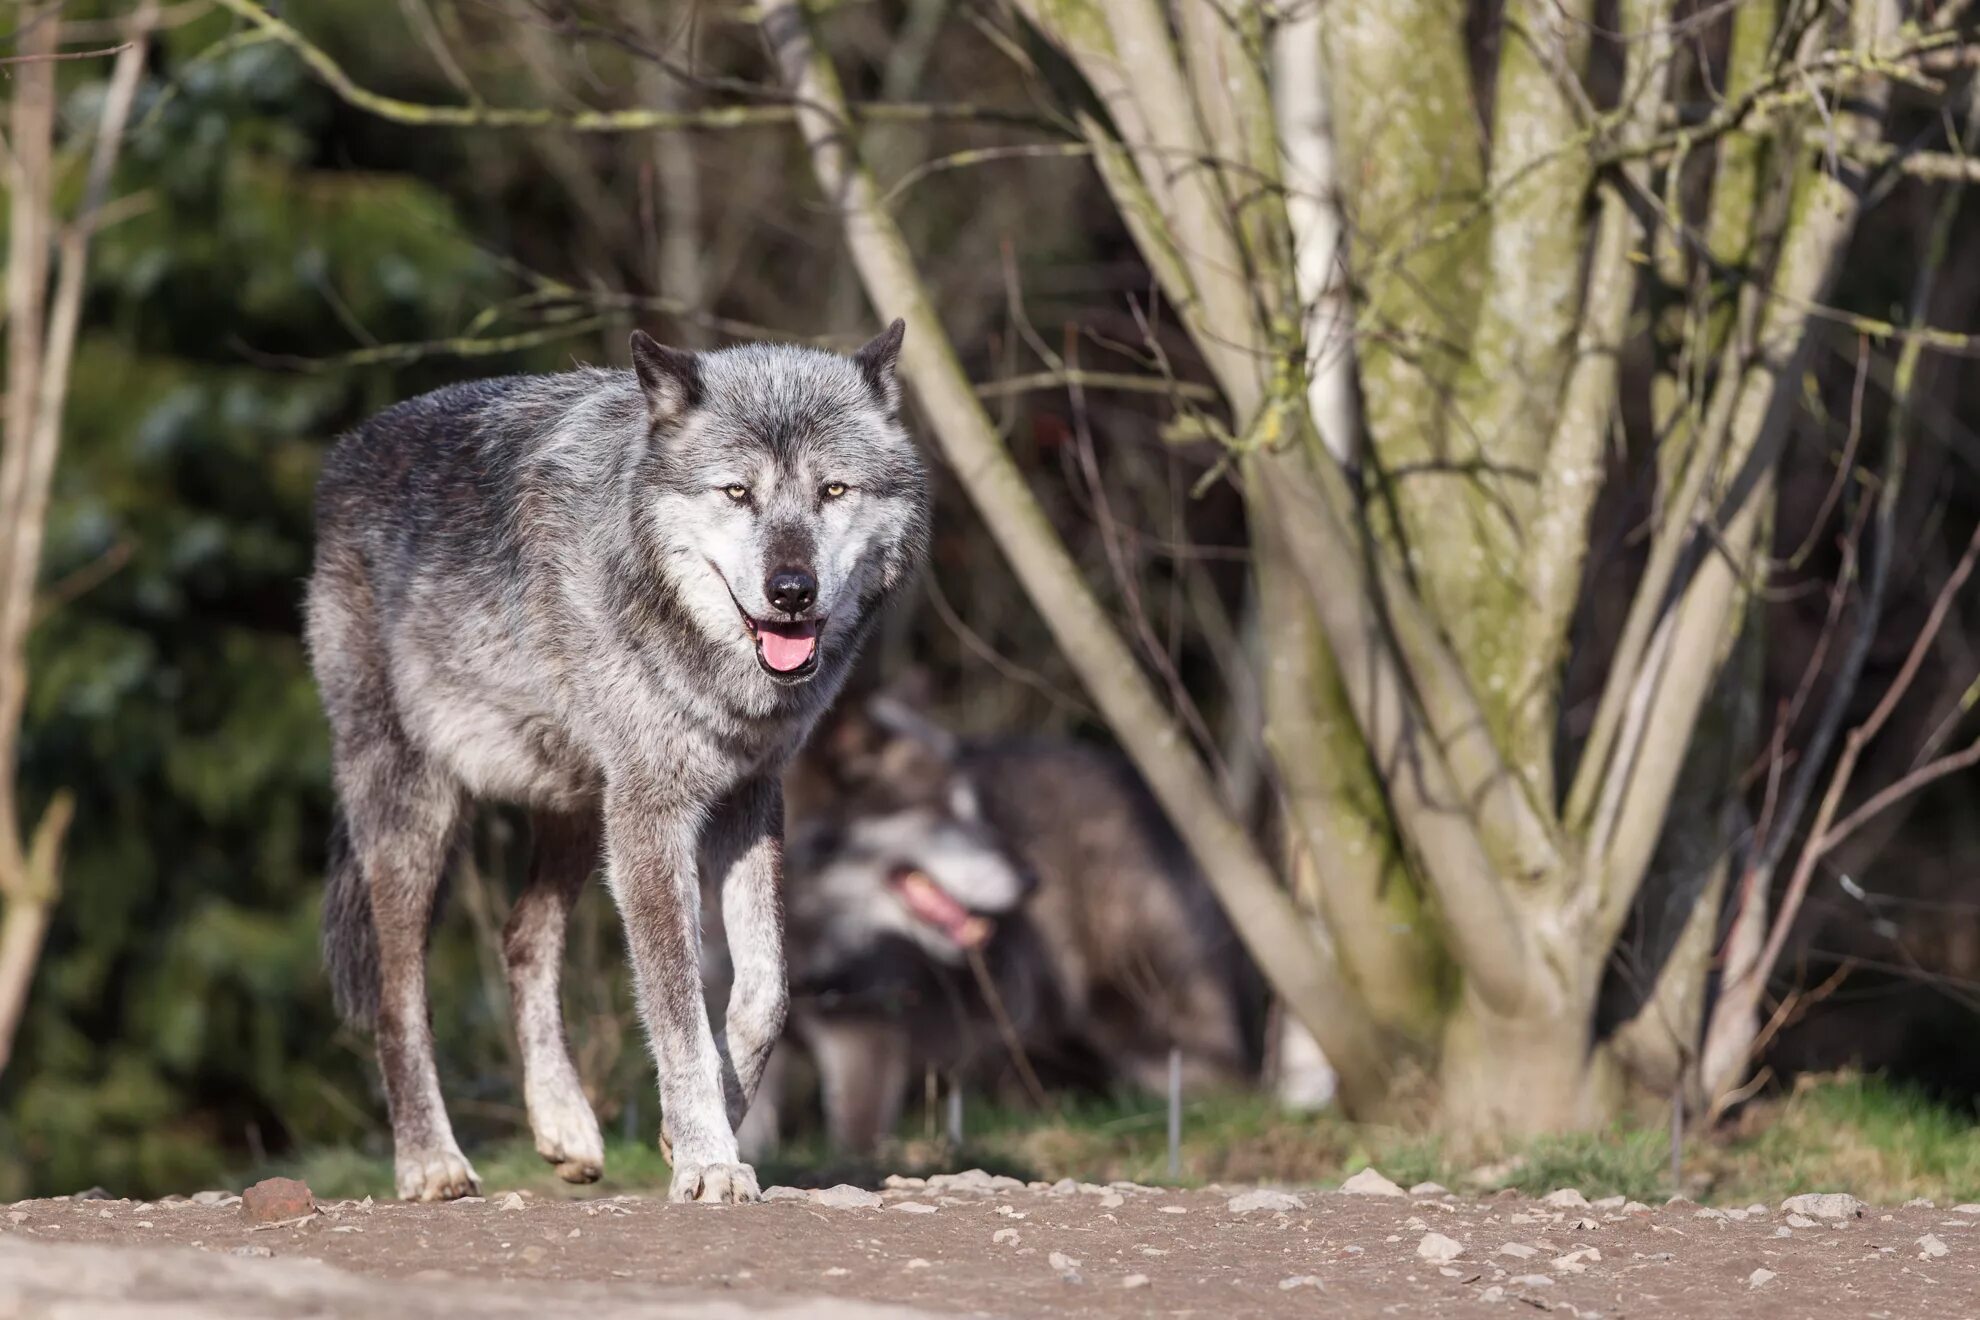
column 834, row 489
column 738, row 492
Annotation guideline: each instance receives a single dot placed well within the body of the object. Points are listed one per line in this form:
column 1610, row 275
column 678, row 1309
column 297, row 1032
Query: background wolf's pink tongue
column 784, row 654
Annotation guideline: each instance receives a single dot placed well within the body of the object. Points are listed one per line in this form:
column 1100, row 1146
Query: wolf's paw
column 567, row 1136
column 714, row 1183
column 435, row 1175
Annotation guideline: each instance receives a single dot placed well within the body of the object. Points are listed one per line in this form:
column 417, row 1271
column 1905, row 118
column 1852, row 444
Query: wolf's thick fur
column 1111, row 952
column 621, row 598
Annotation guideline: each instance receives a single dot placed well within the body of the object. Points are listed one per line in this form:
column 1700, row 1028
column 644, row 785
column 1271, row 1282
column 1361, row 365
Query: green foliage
column 180, row 1012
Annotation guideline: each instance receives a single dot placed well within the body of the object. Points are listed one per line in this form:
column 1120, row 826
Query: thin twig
column 1008, row 1030
column 333, row 75
column 59, row 56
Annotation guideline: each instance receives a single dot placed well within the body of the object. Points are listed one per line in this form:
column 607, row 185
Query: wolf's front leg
column 650, row 841
column 742, row 852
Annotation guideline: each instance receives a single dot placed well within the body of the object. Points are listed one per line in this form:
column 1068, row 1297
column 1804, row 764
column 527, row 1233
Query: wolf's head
column 887, row 838
column 783, row 496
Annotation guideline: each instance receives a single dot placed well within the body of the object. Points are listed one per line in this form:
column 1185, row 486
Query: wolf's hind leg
column 566, row 1129
column 403, row 811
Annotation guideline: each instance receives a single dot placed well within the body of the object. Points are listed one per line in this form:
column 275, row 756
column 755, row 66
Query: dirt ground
column 990, row 1247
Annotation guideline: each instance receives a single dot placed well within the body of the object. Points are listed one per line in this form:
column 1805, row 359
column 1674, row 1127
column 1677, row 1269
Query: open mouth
column 786, row 649
column 933, row 906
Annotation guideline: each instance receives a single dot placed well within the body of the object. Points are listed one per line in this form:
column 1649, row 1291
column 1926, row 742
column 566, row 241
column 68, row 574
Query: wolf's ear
column 671, row 378
column 877, row 361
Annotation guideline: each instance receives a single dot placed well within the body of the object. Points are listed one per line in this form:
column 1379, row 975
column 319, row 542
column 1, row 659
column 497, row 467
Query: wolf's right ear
column 671, row 378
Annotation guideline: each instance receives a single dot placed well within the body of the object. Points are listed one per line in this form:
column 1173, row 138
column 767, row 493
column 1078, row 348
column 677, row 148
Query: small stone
column 1370, row 1182
column 915, row 1208
column 513, row 1201
column 576, row 1232
column 1930, row 1248
column 1784, row 1232
column 276, row 1200
column 1566, row 1198
column 1429, row 1189
column 214, row 1198
column 1758, row 1211
column 1610, row 1203
column 1264, row 1199
column 1967, row 1208
column 837, row 1272
column 916, row 1264
column 1493, row 1294
column 1004, row 1235
column 1064, row 1187
column 1437, row 1247
column 1061, row 1262
column 786, row 1194
column 1801, row 1221
column 1009, row 1212
column 1760, row 1278
column 1635, row 1208
column 899, row 1182
column 1531, row 1281
column 1825, row 1205
column 1173, row 1209
column 1112, row 1200
column 1293, row 1281
column 1918, row 1203
column 846, row 1197
column 1709, row 1213
column 260, row 1253
column 1135, row 1281
column 1518, row 1251
column 89, row 1194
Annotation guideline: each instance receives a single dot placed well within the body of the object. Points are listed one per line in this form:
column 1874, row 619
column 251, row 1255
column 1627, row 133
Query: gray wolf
column 621, row 599
column 909, row 849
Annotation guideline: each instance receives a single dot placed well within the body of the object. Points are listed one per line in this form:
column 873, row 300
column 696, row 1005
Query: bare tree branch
column 709, row 118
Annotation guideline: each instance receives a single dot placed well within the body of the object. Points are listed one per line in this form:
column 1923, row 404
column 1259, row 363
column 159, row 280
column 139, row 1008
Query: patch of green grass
column 1842, row 1133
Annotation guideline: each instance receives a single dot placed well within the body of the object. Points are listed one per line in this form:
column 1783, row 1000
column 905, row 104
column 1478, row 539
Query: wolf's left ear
column 671, row 378
column 878, row 361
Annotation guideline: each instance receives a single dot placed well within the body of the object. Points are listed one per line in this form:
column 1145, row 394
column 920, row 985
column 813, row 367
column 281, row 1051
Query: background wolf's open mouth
column 932, row 905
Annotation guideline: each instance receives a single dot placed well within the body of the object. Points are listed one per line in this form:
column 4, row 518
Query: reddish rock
column 273, row 1200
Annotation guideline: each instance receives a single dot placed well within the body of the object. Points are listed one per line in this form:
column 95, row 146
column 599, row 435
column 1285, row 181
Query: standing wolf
column 621, row 599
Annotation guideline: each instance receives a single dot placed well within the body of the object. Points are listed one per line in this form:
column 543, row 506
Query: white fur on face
column 719, row 550
column 857, row 903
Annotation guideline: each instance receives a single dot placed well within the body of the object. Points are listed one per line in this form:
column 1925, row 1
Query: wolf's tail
column 350, row 940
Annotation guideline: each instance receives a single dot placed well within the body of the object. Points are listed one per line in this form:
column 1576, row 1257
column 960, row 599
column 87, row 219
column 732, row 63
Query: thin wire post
column 1175, row 1114
column 955, row 1115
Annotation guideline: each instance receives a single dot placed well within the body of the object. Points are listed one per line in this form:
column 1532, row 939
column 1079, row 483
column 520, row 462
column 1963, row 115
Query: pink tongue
column 935, row 906
column 784, row 652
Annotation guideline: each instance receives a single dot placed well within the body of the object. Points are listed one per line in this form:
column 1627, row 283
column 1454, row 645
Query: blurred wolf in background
column 622, row 599
column 910, row 851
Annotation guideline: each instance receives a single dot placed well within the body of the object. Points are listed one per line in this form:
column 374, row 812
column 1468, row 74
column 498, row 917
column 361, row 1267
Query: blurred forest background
column 276, row 261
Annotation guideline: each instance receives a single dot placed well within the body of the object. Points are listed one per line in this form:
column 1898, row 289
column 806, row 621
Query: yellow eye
column 737, row 493
column 834, row 489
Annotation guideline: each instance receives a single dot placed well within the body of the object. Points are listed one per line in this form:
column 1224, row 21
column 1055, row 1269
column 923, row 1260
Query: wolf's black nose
column 791, row 590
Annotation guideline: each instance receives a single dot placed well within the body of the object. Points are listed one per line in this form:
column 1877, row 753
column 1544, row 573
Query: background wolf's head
column 887, row 840
column 782, row 493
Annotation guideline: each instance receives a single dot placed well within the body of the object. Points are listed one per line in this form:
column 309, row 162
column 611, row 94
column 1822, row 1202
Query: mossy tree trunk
column 1416, row 323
